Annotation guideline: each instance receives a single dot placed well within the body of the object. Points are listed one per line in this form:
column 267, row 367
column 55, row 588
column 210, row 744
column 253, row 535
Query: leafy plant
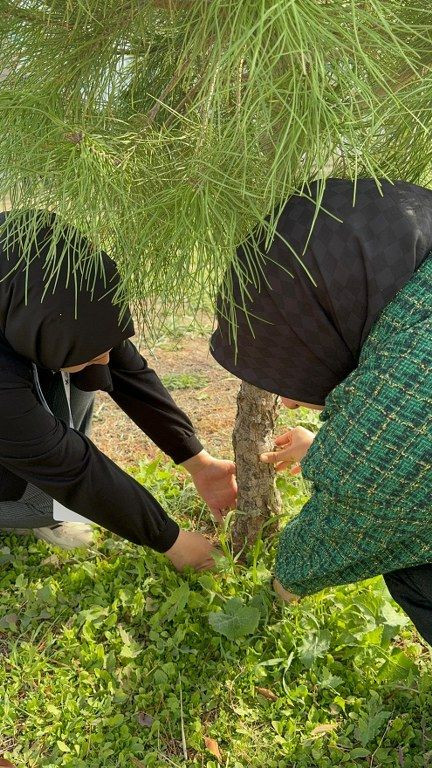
column 236, row 620
column 314, row 646
column 371, row 722
column 105, row 656
column 184, row 381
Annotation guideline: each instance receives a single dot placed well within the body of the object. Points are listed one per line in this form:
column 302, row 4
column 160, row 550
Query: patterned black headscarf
column 299, row 337
column 69, row 320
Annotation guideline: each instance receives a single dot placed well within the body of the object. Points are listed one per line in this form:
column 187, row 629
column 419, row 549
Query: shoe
column 63, row 535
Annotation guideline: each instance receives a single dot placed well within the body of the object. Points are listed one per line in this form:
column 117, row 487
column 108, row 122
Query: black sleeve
column 140, row 393
column 66, row 465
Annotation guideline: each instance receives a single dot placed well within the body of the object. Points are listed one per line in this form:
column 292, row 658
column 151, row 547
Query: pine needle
column 169, row 131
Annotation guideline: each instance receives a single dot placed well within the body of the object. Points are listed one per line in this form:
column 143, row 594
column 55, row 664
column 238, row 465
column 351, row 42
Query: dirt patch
column 211, row 407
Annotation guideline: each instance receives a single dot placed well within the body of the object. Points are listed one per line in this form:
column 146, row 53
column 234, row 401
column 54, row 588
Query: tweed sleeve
column 370, row 466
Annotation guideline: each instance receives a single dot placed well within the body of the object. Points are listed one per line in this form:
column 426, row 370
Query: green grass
column 184, row 381
column 108, row 659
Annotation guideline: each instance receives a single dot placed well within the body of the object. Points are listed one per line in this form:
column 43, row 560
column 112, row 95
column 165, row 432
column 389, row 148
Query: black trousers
column 411, row 588
column 30, row 507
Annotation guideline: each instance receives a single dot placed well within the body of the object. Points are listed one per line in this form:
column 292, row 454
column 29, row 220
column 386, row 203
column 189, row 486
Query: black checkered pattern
column 300, row 340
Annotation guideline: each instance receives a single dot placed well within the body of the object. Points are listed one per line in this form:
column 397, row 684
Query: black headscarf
column 299, row 339
column 69, row 320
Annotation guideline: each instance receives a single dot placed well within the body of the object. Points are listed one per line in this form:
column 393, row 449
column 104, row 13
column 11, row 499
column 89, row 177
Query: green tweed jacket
column 371, row 463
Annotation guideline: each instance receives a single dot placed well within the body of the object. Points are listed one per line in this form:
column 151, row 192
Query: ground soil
column 211, row 407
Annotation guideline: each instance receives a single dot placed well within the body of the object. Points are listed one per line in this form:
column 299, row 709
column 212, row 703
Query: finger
column 228, row 508
column 220, row 512
column 287, row 597
column 211, row 560
column 296, row 469
column 282, row 465
column 272, row 457
column 285, row 439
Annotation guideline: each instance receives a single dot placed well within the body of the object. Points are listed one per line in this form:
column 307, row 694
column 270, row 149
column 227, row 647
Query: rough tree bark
column 258, row 500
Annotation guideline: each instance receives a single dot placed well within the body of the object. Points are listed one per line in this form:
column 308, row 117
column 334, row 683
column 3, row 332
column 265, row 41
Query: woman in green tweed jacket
column 354, row 340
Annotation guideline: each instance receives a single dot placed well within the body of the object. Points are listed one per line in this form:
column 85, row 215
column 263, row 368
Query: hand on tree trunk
column 292, row 447
column 215, row 481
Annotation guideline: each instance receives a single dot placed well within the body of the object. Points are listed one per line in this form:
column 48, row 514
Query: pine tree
column 167, row 130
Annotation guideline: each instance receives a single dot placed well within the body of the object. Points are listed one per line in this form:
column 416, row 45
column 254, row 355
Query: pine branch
column 32, row 17
column 167, row 90
column 257, row 98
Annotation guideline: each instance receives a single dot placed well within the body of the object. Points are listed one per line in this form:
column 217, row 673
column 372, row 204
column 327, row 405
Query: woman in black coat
column 61, row 339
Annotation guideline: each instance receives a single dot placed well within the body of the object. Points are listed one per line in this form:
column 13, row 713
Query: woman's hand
column 215, row 482
column 292, row 448
column 287, row 597
column 192, row 549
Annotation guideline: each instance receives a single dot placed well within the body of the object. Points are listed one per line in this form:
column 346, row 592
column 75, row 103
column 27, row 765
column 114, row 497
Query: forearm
column 75, row 473
column 141, row 395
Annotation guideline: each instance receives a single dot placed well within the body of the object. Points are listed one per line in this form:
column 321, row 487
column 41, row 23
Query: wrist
column 198, row 462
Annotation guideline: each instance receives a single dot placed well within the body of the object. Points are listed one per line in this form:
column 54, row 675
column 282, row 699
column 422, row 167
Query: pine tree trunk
column 258, row 500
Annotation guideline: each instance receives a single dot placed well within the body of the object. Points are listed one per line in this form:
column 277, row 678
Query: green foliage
column 184, row 381
column 105, row 656
column 168, row 133
column 236, row 620
column 371, row 722
column 314, row 646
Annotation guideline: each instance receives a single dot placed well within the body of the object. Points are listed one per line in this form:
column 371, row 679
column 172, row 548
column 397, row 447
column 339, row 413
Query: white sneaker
column 66, row 535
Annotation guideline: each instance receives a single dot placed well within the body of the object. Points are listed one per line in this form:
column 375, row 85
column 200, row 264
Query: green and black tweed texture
column 370, row 465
